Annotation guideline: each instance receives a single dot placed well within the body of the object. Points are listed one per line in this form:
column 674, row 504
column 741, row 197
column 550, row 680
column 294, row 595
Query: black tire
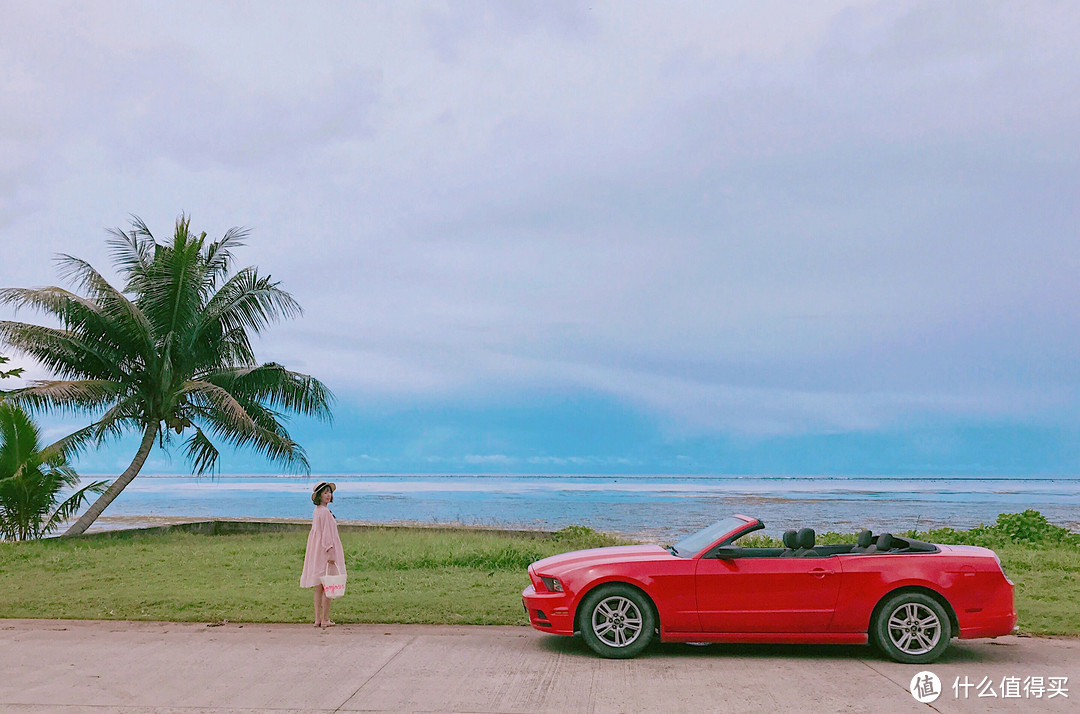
column 617, row 621
column 912, row 628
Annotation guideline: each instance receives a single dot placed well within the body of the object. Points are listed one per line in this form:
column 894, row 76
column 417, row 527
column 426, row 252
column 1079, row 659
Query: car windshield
column 691, row 545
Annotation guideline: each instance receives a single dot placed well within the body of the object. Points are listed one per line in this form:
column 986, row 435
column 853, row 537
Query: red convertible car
column 906, row 596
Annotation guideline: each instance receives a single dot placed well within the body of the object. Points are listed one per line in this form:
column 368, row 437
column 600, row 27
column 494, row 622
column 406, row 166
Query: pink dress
column 323, row 545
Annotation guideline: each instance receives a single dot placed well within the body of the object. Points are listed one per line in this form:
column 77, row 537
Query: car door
column 748, row 594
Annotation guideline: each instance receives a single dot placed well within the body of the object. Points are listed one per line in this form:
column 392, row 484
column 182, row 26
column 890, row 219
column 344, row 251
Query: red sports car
column 906, row 596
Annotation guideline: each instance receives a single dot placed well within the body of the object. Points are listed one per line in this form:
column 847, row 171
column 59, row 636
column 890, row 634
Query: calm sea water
column 659, row 507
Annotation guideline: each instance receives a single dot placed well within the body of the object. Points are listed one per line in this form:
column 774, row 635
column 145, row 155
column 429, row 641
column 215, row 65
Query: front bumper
column 548, row 612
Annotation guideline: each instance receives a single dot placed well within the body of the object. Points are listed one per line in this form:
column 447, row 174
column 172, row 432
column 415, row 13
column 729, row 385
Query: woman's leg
column 326, row 612
column 318, row 604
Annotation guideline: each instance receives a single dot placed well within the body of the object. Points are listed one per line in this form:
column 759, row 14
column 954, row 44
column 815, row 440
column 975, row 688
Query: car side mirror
column 725, row 552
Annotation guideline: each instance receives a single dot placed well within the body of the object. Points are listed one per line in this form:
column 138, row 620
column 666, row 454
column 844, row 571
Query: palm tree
column 31, row 479
column 169, row 352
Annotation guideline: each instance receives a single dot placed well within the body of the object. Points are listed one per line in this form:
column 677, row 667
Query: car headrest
column 865, row 539
column 791, row 539
column 806, row 537
column 884, row 541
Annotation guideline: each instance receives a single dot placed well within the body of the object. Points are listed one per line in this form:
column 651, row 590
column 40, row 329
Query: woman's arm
column 327, row 527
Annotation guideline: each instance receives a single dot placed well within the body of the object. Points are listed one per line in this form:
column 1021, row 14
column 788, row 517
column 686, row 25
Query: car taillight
column 1002, row 568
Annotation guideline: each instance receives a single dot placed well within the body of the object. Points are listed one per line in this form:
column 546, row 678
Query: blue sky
column 837, row 237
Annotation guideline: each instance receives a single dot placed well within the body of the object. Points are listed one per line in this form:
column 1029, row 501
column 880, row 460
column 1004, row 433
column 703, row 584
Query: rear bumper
column 984, row 602
column 994, row 626
column 548, row 612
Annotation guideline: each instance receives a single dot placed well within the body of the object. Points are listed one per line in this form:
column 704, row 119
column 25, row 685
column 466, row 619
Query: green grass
column 412, row 575
column 1047, row 587
column 395, row 575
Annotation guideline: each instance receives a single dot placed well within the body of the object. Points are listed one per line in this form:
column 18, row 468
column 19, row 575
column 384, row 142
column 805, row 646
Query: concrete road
column 101, row 667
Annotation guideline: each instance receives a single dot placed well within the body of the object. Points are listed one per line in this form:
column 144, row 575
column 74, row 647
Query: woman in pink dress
column 324, row 554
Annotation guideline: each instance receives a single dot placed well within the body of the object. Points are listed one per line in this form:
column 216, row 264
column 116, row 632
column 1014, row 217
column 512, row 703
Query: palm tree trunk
column 91, row 514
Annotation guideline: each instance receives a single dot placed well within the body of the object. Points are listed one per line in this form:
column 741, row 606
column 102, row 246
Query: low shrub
column 1029, row 529
column 581, row 537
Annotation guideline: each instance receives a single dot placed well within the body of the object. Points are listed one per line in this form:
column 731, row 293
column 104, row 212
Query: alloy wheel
column 914, row 628
column 616, row 621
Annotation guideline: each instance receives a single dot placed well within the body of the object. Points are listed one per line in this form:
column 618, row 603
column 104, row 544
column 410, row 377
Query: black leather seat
column 791, row 542
column 884, row 543
column 865, row 544
column 806, row 543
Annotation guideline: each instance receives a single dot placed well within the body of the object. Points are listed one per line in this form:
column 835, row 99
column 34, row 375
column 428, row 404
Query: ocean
column 646, row 506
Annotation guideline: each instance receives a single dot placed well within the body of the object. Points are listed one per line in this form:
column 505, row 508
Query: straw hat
column 315, row 498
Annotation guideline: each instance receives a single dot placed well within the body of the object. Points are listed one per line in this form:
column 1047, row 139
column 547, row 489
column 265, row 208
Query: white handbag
column 333, row 585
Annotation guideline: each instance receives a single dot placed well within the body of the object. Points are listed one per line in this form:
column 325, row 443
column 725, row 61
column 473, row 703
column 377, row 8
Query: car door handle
column 820, row 572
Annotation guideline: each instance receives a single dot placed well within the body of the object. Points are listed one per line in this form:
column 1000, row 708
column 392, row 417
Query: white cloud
column 823, row 216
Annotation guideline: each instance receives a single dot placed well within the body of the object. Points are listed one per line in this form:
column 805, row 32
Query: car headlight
column 552, row 584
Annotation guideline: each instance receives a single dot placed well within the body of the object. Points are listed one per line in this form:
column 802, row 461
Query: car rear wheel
column 617, row 621
column 912, row 628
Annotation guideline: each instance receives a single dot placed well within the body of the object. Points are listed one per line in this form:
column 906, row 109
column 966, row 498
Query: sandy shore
column 116, row 523
column 112, row 523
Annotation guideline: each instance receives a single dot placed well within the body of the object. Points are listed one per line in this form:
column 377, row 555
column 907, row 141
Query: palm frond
column 171, row 293
column 219, row 254
column 201, row 452
column 128, row 324
column 65, row 475
column 234, row 351
column 271, row 445
column 218, row 399
column 82, row 274
column 9, row 373
column 71, row 506
column 274, row 385
column 265, row 418
column 268, row 437
column 65, row 353
column 67, row 448
column 64, row 304
column 127, row 414
column 132, row 252
column 68, row 395
column 19, row 440
column 250, row 301
column 80, row 317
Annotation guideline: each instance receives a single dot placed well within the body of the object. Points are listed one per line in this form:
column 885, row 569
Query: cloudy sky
column 604, row 237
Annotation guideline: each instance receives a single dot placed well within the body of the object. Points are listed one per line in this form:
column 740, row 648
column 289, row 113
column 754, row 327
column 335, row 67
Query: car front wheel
column 617, row 621
column 912, row 628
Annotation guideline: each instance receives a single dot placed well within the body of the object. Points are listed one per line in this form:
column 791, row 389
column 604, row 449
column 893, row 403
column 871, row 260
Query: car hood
column 564, row 562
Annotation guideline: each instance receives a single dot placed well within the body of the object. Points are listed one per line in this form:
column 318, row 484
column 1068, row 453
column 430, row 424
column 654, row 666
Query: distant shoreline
column 108, row 524
column 653, row 507
column 105, row 524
